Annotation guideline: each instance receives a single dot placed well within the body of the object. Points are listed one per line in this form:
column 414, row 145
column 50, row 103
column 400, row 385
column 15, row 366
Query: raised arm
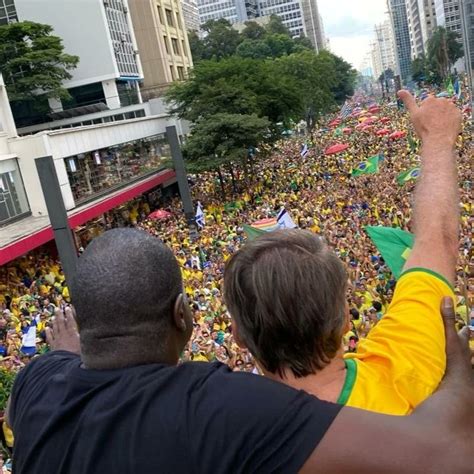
column 436, row 210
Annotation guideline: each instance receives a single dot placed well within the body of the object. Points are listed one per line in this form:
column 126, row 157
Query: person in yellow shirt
column 286, row 293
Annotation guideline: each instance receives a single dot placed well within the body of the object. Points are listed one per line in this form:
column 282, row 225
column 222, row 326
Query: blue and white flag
column 284, row 220
column 28, row 343
column 346, row 110
column 304, row 150
column 200, row 220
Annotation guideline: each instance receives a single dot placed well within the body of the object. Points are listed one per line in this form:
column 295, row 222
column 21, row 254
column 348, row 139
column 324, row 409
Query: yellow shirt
column 403, row 359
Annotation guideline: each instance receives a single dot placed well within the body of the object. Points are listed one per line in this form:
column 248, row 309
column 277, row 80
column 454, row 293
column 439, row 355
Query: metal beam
column 57, row 215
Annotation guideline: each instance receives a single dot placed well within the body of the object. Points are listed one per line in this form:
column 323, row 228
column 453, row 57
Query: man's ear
column 179, row 314
column 236, row 335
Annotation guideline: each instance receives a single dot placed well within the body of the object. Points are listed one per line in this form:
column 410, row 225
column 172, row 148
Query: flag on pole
column 406, row 176
column 371, row 166
column 304, row 150
column 284, row 220
column 394, row 245
column 200, row 219
column 345, row 111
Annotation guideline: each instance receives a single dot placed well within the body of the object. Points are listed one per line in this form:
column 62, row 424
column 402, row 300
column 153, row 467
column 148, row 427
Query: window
column 172, row 73
column 181, row 73
column 13, row 201
column 165, row 39
column 160, row 14
column 174, row 43
column 169, row 17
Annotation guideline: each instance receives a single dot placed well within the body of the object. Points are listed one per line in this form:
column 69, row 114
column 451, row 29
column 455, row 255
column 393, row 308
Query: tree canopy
column 32, row 61
column 444, row 49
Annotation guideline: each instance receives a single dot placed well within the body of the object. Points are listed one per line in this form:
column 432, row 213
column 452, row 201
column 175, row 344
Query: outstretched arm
column 436, row 210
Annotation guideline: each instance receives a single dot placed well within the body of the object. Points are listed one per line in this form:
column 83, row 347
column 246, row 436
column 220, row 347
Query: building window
column 13, row 201
column 100, row 171
column 174, row 43
column 160, row 14
column 165, row 39
column 172, row 73
column 181, row 73
column 169, row 17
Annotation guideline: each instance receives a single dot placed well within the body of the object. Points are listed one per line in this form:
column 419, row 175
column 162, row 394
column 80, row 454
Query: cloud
column 349, row 25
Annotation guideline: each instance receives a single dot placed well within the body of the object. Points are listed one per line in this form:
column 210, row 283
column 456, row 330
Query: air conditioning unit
column 123, row 37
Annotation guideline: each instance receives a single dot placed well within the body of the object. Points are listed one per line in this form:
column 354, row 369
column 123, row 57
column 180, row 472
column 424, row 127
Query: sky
column 349, row 25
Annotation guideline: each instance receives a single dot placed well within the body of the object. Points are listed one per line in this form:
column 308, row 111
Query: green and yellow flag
column 253, row 232
column 406, row 176
column 394, row 245
column 371, row 166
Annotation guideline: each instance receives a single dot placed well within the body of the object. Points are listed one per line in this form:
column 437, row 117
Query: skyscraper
column 190, row 14
column 163, row 43
column 401, row 33
column 313, row 23
column 290, row 11
column 383, row 54
column 427, row 19
column 235, row 11
column 448, row 15
column 414, row 16
column 467, row 23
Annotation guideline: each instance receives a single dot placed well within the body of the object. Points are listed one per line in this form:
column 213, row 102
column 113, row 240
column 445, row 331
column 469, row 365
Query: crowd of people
column 319, row 193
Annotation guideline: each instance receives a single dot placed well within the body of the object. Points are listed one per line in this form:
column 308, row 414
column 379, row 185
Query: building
column 291, row 13
column 428, row 19
column 191, row 15
column 401, row 34
column 313, row 22
column 7, row 12
column 448, row 14
column 100, row 168
column 163, row 43
column 383, row 51
column 234, row 11
column 104, row 86
column 414, row 16
column 467, row 23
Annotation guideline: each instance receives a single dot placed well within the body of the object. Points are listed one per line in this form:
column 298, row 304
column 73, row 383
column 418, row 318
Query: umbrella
column 384, row 120
column 360, row 126
column 159, row 214
column 347, row 130
column 335, row 123
column 397, row 134
column 336, row 148
column 374, row 109
column 383, row 131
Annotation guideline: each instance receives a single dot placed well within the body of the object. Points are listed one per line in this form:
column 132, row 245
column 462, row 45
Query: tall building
column 313, row 23
column 235, row 11
column 448, row 15
column 104, row 86
column 427, row 18
column 401, row 34
column 191, row 15
column 414, row 16
column 7, row 12
column 162, row 41
column 467, row 23
column 291, row 12
column 383, row 51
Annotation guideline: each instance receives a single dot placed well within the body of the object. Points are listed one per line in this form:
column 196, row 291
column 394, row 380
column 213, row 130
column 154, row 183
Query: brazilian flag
column 394, row 245
column 253, row 232
column 371, row 166
column 409, row 175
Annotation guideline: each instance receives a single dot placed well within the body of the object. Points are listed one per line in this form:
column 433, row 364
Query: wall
column 82, row 26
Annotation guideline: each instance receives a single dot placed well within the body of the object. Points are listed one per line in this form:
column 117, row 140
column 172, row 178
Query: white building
column 190, row 14
column 235, row 11
column 313, row 23
column 291, row 13
column 104, row 86
column 99, row 168
column 448, row 14
column 428, row 19
column 383, row 50
column 414, row 16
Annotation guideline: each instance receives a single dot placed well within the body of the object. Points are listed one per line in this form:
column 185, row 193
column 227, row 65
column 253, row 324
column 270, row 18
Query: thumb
column 458, row 364
column 408, row 100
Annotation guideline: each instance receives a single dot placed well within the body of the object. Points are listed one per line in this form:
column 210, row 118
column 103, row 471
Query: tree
column 444, row 49
column 276, row 26
column 221, row 41
column 255, row 49
column 253, row 31
column 345, row 76
column 385, row 79
column 222, row 139
column 33, row 62
column 419, row 69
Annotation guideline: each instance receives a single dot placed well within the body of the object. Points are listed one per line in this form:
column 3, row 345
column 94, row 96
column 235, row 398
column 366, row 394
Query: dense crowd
column 319, row 193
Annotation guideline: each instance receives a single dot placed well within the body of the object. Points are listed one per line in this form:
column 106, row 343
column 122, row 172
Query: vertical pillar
column 57, row 215
column 182, row 178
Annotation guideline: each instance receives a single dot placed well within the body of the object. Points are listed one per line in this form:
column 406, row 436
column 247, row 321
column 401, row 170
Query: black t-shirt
column 193, row 418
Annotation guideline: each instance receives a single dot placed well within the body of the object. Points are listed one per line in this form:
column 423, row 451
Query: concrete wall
column 83, row 27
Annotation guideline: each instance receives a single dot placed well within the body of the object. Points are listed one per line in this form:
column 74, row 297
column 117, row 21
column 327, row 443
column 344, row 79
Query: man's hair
column 124, row 290
column 286, row 291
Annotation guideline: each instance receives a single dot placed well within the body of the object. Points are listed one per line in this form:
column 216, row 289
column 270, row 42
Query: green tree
column 253, row 31
column 419, row 69
column 32, row 61
column 255, row 49
column 385, row 79
column 444, row 49
column 222, row 139
column 276, row 26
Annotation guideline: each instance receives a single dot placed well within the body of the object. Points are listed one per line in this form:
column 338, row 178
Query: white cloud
column 349, row 25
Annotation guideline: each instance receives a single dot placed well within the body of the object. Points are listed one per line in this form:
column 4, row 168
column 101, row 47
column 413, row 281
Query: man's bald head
column 124, row 291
